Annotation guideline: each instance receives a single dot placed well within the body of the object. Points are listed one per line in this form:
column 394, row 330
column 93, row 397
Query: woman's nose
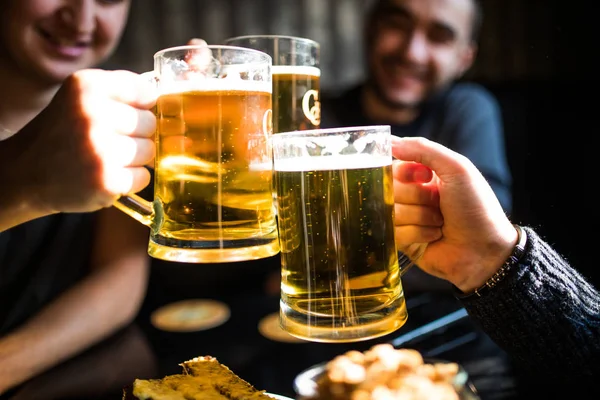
column 79, row 15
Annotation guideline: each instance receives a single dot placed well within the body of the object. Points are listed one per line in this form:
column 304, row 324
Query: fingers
column 124, row 136
column 405, row 214
column 133, row 89
column 124, row 151
column 410, row 193
column 417, row 224
column 135, row 152
column 140, row 179
column 439, row 158
column 125, row 120
column 123, row 86
column 122, row 181
column 146, row 124
column 417, row 216
column 411, row 172
column 408, row 235
column 144, row 153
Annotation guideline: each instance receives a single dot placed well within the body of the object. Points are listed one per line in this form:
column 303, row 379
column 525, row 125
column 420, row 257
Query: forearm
column 543, row 314
column 95, row 308
column 18, row 198
column 14, row 211
column 116, row 363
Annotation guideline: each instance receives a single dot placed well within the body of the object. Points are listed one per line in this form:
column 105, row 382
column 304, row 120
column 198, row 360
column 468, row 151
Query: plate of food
column 202, row 378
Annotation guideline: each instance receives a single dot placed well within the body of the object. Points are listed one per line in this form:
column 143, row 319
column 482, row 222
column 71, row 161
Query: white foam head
column 296, row 70
column 331, row 163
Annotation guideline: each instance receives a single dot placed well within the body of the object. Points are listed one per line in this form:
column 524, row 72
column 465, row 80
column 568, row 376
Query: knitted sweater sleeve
column 544, row 315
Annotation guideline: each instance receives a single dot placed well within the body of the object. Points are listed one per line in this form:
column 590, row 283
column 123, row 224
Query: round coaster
column 190, row 315
column 269, row 328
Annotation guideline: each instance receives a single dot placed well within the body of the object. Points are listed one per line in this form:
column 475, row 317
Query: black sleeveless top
column 39, row 260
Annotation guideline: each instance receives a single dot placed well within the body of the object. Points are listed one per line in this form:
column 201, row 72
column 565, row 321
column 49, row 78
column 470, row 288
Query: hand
column 90, row 144
column 200, row 61
column 442, row 198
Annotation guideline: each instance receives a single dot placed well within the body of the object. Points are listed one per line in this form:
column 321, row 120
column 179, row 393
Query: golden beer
column 213, row 183
column 339, row 261
column 296, row 104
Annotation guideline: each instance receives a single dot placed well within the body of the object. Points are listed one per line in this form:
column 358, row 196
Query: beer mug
column 340, row 276
column 213, row 187
column 296, row 79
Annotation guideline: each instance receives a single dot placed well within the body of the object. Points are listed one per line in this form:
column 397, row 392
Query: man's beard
column 382, row 96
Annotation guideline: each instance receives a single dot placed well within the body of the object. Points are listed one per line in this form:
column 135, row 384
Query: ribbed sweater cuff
column 544, row 314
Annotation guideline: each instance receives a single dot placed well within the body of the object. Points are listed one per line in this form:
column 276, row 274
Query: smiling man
column 416, row 54
column 417, row 51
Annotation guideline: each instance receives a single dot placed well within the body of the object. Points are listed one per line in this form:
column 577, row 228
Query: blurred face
column 416, row 47
column 51, row 39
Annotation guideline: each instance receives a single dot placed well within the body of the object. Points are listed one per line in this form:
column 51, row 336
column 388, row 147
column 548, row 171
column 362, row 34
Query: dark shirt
column 465, row 118
column 39, row 260
column 43, row 258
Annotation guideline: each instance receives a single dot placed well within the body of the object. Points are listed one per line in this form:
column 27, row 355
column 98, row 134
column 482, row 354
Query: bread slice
column 203, row 378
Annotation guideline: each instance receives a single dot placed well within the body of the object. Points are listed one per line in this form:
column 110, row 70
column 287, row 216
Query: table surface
column 142, row 351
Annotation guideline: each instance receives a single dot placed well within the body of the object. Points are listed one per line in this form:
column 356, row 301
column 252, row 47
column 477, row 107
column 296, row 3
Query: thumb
column 440, row 159
column 197, row 42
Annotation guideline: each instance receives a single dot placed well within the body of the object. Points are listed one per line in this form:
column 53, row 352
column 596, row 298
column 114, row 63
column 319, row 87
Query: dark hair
column 477, row 20
column 378, row 6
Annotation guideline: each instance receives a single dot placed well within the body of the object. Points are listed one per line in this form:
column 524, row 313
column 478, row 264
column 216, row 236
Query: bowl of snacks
column 384, row 372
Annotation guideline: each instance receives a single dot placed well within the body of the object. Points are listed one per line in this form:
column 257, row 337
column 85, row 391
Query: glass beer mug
column 296, row 79
column 341, row 267
column 213, row 189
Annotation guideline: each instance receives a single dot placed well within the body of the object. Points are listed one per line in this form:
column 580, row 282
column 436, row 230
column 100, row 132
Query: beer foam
column 330, row 163
column 202, row 84
column 296, row 69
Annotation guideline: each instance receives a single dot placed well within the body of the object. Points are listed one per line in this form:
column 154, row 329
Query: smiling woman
column 51, row 39
column 64, row 272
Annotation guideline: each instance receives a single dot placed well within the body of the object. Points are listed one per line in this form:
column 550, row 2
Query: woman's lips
column 64, row 47
column 70, row 51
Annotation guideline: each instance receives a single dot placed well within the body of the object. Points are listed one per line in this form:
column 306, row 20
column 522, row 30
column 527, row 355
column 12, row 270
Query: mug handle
column 136, row 207
column 409, row 256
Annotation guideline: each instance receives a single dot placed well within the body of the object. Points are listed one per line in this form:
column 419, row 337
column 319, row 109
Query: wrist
column 479, row 287
column 20, row 191
column 477, row 272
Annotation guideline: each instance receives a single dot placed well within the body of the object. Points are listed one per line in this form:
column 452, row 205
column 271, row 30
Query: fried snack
column 203, row 378
column 386, row 373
